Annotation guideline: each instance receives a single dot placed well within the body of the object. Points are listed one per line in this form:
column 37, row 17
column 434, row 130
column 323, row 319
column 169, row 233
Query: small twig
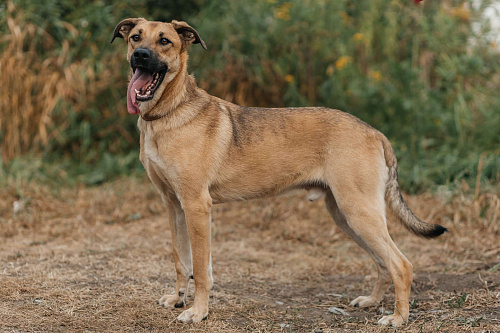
column 484, row 282
column 478, row 177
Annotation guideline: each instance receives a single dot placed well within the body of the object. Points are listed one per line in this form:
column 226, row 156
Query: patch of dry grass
column 97, row 259
column 42, row 80
column 31, row 86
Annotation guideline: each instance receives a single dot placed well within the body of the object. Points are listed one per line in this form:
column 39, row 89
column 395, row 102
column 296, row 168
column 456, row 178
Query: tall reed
column 33, row 86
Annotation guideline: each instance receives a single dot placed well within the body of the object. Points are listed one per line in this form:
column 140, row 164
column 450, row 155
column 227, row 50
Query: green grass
column 68, row 172
column 458, row 301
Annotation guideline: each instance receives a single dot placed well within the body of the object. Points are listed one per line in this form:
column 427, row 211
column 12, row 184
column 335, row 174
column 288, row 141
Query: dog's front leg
column 197, row 212
column 181, row 248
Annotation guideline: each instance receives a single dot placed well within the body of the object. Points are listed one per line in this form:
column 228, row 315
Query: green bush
column 419, row 73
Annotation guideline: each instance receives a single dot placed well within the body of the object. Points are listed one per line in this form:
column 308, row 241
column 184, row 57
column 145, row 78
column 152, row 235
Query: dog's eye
column 135, row 38
column 164, row 41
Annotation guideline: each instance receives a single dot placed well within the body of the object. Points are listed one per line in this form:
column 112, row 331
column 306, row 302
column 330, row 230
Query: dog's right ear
column 123, row 28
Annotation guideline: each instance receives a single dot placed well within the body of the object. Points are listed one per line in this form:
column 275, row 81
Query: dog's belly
column 228, row 194
column 258, row 185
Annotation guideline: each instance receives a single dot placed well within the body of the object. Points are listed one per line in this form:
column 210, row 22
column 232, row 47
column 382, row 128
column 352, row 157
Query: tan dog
column 199, row 150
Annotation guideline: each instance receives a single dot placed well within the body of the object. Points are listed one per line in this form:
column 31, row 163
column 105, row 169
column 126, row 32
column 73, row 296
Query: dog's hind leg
column 358, row 187
column 383, row 278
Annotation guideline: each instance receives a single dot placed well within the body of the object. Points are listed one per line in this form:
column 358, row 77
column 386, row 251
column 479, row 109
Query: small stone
column 283, row 325
column 135, row 217
column 279, row 303
column 337, row 311
column 18, row 206
column 318, row 330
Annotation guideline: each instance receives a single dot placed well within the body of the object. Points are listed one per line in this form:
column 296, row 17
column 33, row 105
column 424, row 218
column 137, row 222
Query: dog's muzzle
column 149, row 73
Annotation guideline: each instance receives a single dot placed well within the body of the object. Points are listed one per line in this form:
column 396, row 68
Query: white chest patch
column 151, row 150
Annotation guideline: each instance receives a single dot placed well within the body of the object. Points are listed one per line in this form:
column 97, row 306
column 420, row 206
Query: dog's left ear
column 122, row 30
column 188, row 34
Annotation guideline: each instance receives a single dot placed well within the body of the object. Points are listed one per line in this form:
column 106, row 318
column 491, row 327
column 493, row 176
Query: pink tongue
column 139, row 80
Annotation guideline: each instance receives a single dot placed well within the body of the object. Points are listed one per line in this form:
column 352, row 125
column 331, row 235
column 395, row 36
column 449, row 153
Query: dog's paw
column 393, row 320
column 193, row 315
column 172, row 301
column 364, row 301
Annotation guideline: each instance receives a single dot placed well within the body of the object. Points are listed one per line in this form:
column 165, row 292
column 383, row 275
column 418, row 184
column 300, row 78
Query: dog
column 199, row 150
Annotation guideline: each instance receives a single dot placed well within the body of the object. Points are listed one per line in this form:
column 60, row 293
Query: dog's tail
column 398, row 205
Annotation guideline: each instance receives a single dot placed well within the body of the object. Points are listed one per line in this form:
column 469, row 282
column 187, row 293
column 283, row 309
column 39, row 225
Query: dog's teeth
column 137, row 91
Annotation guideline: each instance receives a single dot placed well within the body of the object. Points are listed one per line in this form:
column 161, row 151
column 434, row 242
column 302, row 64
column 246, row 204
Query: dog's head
column 154, row 53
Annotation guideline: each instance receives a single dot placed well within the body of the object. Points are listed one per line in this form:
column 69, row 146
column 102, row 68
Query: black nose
column 141, row 57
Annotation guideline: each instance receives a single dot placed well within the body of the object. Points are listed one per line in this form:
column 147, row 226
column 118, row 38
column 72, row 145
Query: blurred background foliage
column 425, row 75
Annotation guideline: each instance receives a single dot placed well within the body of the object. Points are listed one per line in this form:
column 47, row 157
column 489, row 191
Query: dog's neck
column 180, row 90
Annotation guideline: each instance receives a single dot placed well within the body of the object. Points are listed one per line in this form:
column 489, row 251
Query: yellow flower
column 462, row 13
column 289, row 78
column 358, row 36
column 342, row 62
column 329, row 70
column 376, row 75
column 282, row 11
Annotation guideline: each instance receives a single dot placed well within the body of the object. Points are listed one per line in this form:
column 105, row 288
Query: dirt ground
column 98, row 259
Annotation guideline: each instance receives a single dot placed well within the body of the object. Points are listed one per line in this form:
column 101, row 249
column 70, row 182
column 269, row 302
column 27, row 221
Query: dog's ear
column 188, row 34
column 123, row 28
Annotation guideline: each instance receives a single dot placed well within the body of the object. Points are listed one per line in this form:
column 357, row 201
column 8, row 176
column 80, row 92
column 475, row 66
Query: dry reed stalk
column 33, row 85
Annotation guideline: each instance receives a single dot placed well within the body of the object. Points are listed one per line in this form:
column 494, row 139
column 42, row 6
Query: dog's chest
column 154, row 156
column 150, row 149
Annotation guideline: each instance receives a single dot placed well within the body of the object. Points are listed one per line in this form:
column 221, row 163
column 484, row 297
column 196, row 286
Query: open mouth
column 142, row 87
column 147, row 91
